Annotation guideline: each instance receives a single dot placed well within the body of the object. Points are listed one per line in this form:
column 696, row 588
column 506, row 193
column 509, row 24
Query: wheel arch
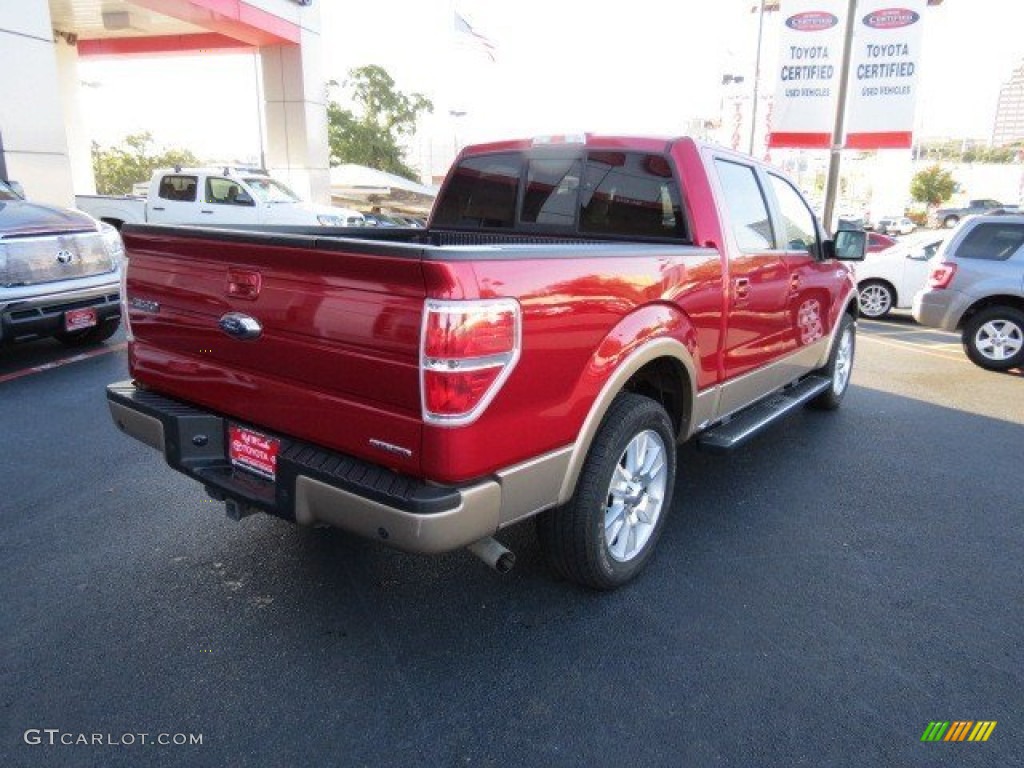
column 997, row 300
column 662, row 368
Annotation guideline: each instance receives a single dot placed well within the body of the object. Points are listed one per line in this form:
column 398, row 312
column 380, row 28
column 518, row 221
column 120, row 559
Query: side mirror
column 848, row 245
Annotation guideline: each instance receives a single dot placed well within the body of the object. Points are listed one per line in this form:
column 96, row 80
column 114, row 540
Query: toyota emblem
column 64, row 256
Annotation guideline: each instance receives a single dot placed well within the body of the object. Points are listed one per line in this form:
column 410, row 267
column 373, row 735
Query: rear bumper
column 939, row 308
column 42, row 316
column 312, row 485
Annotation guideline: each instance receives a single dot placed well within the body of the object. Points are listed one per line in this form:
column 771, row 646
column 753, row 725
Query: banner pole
column 839, row 128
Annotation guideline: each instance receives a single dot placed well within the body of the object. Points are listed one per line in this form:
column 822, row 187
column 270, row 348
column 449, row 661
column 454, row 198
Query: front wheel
column 876, row 299
column 607, row 532
column 994, row 338
column 839, row 366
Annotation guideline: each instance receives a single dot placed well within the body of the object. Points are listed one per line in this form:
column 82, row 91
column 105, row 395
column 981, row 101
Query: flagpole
column 757, row 77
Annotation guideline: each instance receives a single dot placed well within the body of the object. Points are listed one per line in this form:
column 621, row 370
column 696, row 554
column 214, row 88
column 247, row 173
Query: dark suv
column 977, row 287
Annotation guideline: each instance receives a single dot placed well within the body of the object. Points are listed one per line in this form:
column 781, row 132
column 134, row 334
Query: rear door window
column 992, row 241
column 748, row 211
column 178, row 188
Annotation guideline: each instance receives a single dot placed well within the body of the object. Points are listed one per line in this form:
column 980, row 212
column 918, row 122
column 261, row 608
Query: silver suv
column 976, row 286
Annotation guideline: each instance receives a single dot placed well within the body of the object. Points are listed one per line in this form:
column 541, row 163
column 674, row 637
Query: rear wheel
column 607, row 532
column 876, row 299
column 89, row 336
column 839, row 366
column 994, row 338
column 950, row 221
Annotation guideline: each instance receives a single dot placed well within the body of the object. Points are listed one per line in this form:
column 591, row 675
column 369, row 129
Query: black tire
column 876, row 299
column 950, row 221
column 575, row 537
column 994, row 338
column 839, row 368
column 86, row 338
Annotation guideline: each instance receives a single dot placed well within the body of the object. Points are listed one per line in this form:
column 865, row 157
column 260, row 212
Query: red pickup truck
column 575, row 308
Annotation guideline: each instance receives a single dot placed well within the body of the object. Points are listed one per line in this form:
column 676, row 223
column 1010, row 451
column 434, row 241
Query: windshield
column 270, row 191
column 6, row 193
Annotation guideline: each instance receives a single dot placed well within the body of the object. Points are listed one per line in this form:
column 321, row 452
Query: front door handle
column 794, row 283
column 742, row 287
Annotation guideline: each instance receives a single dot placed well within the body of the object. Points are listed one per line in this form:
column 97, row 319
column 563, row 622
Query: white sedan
column 889, row 279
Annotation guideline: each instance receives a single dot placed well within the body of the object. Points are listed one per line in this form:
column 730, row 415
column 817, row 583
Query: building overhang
column 161, row 27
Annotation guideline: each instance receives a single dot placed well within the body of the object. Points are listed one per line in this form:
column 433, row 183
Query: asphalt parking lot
column 819, row 597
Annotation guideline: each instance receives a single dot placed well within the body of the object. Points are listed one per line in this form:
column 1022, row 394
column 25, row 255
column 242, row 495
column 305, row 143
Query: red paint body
column 338, row 362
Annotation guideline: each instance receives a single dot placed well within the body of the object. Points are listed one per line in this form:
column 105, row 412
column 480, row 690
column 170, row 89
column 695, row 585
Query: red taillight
column 941, row 275
column 467, row 350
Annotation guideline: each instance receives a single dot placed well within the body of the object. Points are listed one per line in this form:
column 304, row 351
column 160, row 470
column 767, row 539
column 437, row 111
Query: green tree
column 932, row 186
column 383, row 116
column 118, row 168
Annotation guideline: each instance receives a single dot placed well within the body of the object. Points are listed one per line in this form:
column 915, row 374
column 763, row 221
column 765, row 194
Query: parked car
column 888, row 279
column 217, row 196
column 976, row 286
column 879, row 242
column 576, row 308
column 60, row 273
column 895, row 225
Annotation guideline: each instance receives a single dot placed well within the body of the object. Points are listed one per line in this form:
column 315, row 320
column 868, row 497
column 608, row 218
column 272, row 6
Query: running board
column 747, row 423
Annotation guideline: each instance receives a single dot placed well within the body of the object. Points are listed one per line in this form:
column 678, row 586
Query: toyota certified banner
column 883, row 74
column 810, row 60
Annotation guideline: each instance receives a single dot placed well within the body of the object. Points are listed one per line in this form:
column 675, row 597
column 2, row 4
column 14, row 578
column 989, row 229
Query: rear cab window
column 617, row 194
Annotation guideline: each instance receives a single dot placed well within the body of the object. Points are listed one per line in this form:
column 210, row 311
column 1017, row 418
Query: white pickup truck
column 215, row 196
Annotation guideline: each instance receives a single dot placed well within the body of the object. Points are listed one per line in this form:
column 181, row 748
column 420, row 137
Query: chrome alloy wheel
column 999, row 339
column 635, row 496
column 875, row 300
column 844, row 362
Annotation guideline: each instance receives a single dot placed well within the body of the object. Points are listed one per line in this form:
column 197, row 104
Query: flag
column 463, row 27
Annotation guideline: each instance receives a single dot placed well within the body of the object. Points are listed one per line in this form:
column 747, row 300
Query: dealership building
column 43, row 144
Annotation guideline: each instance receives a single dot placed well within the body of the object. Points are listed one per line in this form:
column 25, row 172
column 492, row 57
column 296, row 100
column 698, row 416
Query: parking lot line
column 105, row 350
column 913, row 348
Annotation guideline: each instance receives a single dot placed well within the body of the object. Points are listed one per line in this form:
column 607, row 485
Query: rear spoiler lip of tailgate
column 313, row 484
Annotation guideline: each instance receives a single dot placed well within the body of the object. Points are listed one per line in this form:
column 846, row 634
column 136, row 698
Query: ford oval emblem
column 240, row 326
column 812, row 21
column 891, row 18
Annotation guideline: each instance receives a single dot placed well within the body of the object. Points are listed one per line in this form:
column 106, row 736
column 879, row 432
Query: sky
column 558, row 66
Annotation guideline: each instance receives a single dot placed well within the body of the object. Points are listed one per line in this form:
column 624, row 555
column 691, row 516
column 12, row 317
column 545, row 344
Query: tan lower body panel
column 475, row 518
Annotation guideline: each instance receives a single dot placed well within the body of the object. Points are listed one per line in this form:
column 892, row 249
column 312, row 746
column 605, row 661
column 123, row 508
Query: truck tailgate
column 336, row 359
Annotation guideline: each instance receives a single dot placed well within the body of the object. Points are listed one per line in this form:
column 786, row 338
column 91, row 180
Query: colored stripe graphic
column 959, row 730
column 982, row 731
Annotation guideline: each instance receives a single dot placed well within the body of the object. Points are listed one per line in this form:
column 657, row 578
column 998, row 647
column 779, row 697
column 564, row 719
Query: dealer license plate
column 79, row 319
column 253, row 451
